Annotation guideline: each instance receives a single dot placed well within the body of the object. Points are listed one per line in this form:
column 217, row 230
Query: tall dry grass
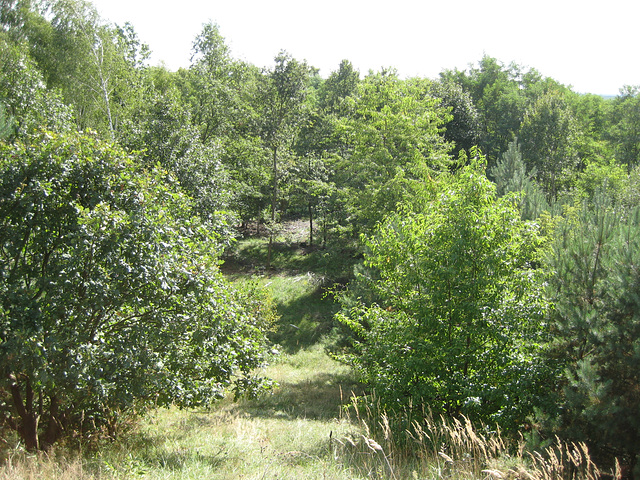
column 455, row 449
column 300, row 431
column 362, row 445
column 53, row 465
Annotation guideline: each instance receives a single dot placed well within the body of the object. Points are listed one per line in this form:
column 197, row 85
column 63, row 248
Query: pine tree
column 510, row 175
column 596, row 260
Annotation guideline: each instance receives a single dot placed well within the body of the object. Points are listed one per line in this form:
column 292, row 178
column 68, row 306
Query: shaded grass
column 230, row 443
column 292, row 256
column 285, row 434
column 311, row 385
column 299, row 282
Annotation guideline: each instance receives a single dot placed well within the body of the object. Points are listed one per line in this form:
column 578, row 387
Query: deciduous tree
column 625, row 126
column 112, row 300
column 393, row 144
column 549, row 134
column 454, row 313
column 281, row 103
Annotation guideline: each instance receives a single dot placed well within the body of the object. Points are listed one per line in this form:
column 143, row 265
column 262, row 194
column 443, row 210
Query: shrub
column 454, row 317
column 111, row 295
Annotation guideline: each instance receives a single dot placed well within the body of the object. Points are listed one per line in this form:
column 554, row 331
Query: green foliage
column 393, row 144
column 163, row 131
column 596, row 326
column 501, row 94
column 625, row 126
column 95, row 66
column 340, row 85
column 100, row 251
column 6, row 123
column 549, row 134
column 464, row 129
column 281, row 98
column 23, row 93
column 495, row 91
column 592, row 112
column 214, row 85
column 111, row 295
column 455, row 317
column 608, row 179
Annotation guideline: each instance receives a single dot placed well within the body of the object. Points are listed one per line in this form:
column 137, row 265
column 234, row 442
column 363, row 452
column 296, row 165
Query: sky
column 592, row 46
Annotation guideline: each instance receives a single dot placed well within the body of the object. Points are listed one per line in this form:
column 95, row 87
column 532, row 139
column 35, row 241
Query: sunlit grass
column 304, row 306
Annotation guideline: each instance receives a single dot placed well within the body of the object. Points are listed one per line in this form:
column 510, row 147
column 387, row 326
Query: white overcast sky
column 592, row 46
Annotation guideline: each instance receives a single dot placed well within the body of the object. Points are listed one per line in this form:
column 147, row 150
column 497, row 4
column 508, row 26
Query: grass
column 304, row 428
column 287, row 434
column 291, row 255
column 305, row 309
column 300, row 282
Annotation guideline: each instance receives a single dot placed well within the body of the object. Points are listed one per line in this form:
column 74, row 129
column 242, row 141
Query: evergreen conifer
column 510, row 175
column 596, row 326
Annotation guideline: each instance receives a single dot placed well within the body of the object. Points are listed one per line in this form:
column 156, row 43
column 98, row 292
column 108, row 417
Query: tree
column 451, row 315
column 549, row 135
column 497, row 95
column 511, row 176
column 393, row 144
column 94, row 65
column 214, row 86
column 602, row 179
column 593, row 114
column 24, row 95
column 165, row 135
column 6, row 123
column 112, row 300
column 281, row 103
column 319, row 147
column 501, row 94
column 464, row 129
column 625, row 126
column 163, row 129
column 99, row 75
column 340, row 85
column 596, row 323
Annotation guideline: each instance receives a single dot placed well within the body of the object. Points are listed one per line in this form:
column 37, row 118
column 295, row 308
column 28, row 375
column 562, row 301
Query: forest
column 479, row 228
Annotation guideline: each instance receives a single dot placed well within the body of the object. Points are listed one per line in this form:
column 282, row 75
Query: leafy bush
column 454, row 320
column 111, row 295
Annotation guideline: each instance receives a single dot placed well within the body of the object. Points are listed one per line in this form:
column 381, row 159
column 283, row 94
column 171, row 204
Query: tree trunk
column 310, row 225
column 54, row 427
column 28, row 426
column 274, row 196
column 274, row 199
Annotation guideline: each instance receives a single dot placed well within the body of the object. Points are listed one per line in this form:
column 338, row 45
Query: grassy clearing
column 299, row 282
column 291, row 255
column 305, row 308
